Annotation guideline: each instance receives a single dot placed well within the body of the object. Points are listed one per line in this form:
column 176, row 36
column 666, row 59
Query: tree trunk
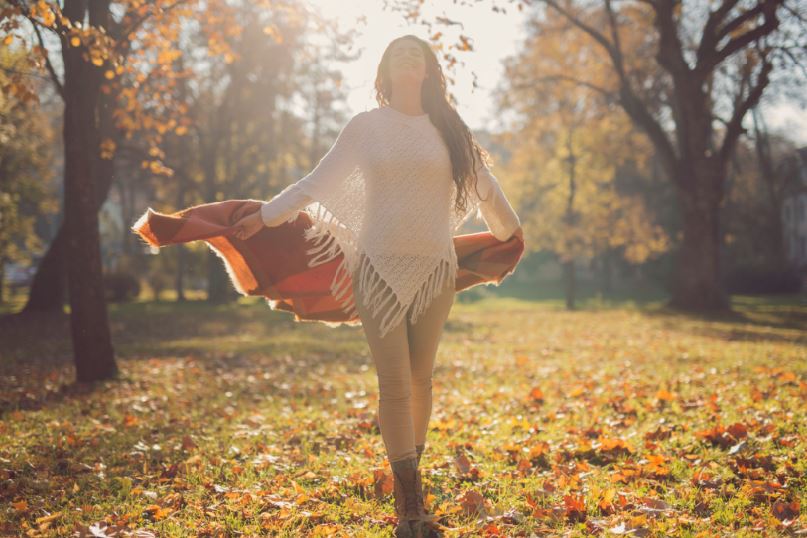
column 89, row 325
column 697, row 282
column 777, row 236
column 126, row 233
column 570, row 284
column 183, row 185
column 770, row 176
column 607, row 271
column 218, row 282
column 180, row 280
column 571, row 219
column 2, row 281
column 49, row 285
column 216, row 274
column 180, row 275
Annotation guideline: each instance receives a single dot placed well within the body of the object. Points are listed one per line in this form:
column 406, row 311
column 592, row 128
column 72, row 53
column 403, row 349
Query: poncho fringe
column 327, row 237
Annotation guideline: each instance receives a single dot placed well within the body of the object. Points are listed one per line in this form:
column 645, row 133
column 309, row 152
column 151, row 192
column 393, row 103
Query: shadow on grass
column 150, row 330
column 36, row 365
column 753, row 318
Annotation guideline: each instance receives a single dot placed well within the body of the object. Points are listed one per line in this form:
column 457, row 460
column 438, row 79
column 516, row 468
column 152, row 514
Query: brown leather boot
column 427, row 525
column 413, row 519
column 428, row 516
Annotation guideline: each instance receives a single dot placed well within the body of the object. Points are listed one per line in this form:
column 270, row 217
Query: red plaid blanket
column 273, row 262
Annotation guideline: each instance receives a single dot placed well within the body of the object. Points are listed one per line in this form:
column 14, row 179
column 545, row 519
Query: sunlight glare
column 495, row 35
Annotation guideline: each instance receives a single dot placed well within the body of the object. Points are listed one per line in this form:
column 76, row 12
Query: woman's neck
column 407, row 103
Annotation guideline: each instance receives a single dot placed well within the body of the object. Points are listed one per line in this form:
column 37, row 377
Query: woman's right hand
column 249, row 225
column 519, row 233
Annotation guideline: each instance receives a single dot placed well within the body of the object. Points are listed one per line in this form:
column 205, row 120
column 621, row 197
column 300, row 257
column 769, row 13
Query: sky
column 495, row 36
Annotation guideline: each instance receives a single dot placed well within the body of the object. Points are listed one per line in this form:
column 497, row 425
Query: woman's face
column 406, row 62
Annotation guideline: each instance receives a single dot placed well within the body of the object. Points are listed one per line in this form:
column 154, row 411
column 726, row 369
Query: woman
column 389, row 195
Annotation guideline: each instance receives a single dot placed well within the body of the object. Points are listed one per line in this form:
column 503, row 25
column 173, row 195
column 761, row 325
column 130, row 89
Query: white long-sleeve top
column 383, row 195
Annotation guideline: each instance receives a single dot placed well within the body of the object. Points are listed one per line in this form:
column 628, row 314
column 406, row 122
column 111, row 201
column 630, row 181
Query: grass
column 618, row 418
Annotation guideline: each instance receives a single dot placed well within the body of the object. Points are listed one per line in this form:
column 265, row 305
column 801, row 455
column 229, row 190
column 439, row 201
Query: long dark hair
column 462, row 146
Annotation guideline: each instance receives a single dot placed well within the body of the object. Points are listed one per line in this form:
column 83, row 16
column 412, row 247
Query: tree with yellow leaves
column 566, row 161
column 686, row 75
column 103, row 51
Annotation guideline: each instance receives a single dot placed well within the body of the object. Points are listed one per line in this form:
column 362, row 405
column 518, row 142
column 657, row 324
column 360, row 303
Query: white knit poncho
column 385, row 189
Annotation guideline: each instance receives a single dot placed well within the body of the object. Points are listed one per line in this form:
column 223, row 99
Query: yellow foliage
column 572, row 145
column 273, row 32
column 107, row 148
column 168, row 56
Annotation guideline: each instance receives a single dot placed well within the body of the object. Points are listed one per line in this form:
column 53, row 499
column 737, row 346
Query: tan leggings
column 404, row 362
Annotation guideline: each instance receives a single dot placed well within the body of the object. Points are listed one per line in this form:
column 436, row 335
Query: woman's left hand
column 519, row 233
column 249, row 225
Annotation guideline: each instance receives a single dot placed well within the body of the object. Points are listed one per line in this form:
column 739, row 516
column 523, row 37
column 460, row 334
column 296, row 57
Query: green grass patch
column 618, row 418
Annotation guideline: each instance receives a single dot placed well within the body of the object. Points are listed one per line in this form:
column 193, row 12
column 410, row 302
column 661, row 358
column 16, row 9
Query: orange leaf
column 575, row 506
column 784, row 511
column 382, row 483
column 472, row 502
column 537, row 395
column 463, row 464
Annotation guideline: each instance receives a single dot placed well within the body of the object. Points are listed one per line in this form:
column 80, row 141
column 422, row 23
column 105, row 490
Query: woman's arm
column 334, row 167
column 496, row 210
column 284, row 205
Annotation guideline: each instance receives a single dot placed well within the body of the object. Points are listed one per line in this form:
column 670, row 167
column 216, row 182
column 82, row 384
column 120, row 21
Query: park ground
column 620, row 418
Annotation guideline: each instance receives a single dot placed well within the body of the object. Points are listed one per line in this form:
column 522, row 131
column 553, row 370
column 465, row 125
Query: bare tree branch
column 709, row 37
column 618, row 59
column 734, row 126
column 769, row 7
column 670, row 54
column 739, row 21
column 24, row 10
column 637, row 110
column 54, row 77
column 633, row 105
column 582, row 25
column 796, row 62
column 793, row 13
